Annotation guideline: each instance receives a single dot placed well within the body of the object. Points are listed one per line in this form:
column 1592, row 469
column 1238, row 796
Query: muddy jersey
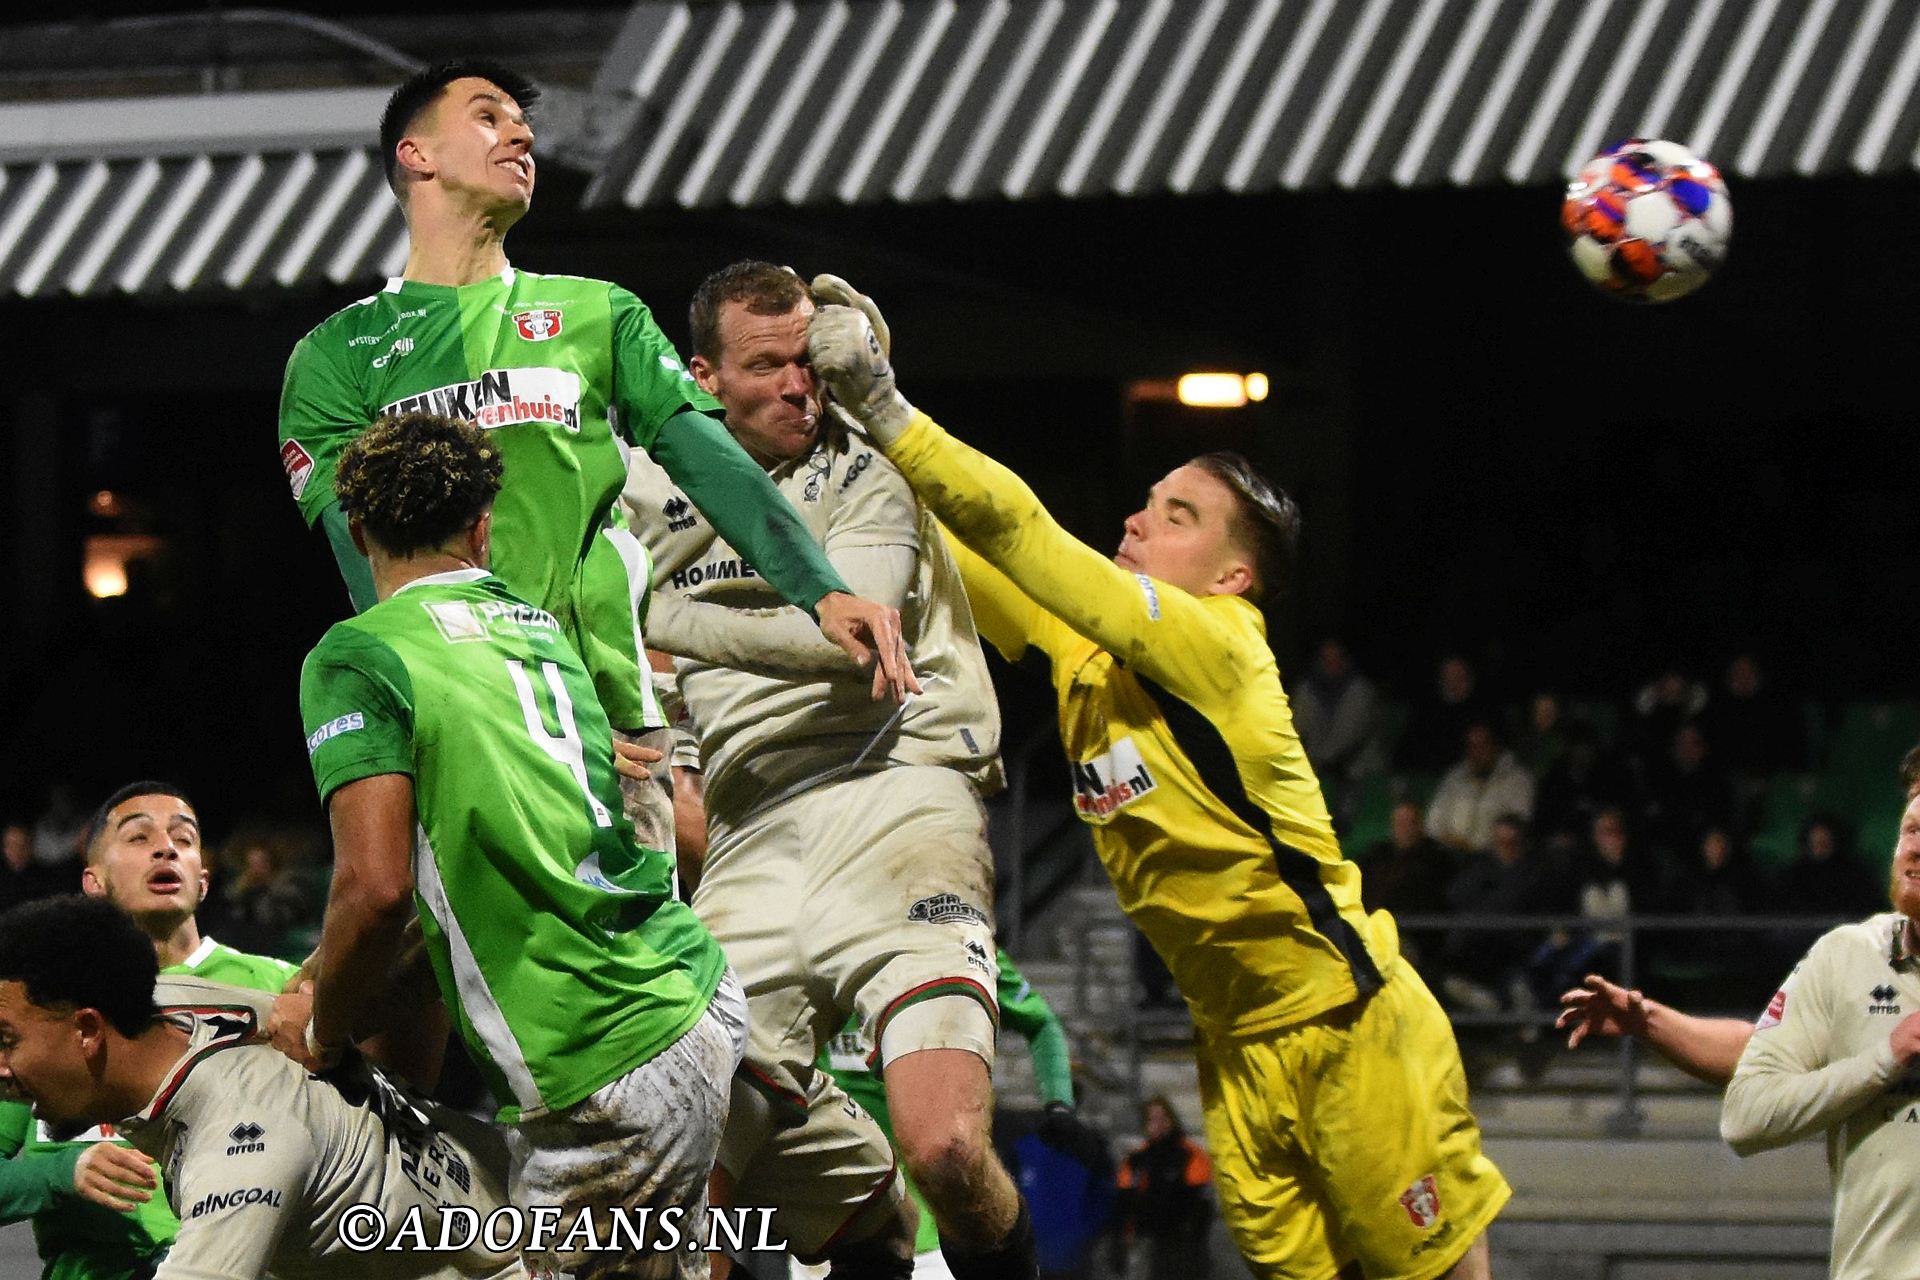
column 764, row 737
column 262, row 1161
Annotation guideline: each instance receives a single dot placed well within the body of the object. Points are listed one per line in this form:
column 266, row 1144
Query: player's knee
column 947, row 1158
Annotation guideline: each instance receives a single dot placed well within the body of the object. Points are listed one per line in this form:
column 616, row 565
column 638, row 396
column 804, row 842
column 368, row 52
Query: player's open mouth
column 165, row 882
column 519, row 167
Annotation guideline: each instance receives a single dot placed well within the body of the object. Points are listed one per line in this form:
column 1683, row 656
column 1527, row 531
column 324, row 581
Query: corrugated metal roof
column 186, row 223
column 188, row 194
column 811, row 102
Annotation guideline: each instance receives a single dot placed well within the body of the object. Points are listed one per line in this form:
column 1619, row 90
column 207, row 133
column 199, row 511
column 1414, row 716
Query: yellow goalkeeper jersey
column 1185, row 762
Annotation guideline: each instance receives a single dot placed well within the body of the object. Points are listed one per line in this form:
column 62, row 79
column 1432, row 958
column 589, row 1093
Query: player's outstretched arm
column 1164, row 634
column 749, row 512
column 782, row 642
column 34, row 1182
column 1706, row 1048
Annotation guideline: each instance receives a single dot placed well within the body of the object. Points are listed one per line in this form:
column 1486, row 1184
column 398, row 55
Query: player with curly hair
column 467, row 768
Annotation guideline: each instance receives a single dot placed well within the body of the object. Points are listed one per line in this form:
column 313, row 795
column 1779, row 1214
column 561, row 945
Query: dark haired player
column 564, row 373
column 97, row 1206
column 1336, row 1107
column 468, row 770
column 263, row 1163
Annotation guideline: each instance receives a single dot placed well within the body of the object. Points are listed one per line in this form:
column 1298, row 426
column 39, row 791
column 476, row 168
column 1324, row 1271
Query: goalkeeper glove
column 850, row 359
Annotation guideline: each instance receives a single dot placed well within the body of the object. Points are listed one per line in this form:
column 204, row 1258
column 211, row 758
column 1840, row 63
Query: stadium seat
column 1790, row 799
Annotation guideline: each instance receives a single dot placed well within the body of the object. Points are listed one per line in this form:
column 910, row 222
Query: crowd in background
column 1681, row 798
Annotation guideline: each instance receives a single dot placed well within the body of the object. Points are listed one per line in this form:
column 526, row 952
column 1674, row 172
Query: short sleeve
column 321, row 411
column 874, row 504
column 356, row 704
column 650, row 381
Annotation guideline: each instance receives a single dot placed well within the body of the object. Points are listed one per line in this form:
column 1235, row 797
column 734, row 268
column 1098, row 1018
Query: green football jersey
column 554, row 934
column 848, row 1058
column 551, row 366
column 77, row 1239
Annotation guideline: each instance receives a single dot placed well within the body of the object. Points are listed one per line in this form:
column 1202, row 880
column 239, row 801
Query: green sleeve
column 16, row 1126
column 754, row 517
column 1023, row 1011
column 356, row 703
column 650, row 384
column 353, row 566
column 36, row 1181
column 321, row 409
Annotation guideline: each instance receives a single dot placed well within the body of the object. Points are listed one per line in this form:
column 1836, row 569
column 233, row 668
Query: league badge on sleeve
column 537, row 326
column 1776, row 1009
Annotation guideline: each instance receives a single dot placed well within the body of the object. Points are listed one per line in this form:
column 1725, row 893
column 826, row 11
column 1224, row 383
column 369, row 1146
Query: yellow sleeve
column 1156, row 629
column 1006, row 617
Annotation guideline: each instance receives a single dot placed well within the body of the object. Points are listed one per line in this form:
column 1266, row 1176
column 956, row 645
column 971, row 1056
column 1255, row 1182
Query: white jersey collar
column 200, row 953
column 451, row 577
column 396, row 283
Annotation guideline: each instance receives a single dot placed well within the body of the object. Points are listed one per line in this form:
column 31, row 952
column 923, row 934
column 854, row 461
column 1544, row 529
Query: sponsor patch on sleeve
column 348, row 723
column 299, row 465
column 1776, row 1009
column 1153, row 596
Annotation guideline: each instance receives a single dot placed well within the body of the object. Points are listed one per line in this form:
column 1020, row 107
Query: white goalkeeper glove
column 849, row 357
column 834, row 291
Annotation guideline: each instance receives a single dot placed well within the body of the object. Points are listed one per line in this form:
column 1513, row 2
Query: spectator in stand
column 1409, row 874
column 1486, row 783
column 1755, row 731
column 1433, row 732
column 1619, row 878
column 1481, row 968
column 1718, row 881
column 21, row 878
column 1163, row 1205
column 1336, row 711
column 260, row 897
column 1588, row 778
column 1542, row 741
column 60, row 835
column 1826, row 879
column 1663, row 704
column 1689, row 793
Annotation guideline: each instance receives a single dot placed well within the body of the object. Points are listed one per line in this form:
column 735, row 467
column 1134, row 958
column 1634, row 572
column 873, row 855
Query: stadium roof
column 221, row 192
column 824, row 102
column 809, row 102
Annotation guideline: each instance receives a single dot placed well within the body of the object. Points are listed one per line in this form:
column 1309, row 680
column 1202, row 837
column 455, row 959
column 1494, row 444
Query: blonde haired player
column 1336, row 1108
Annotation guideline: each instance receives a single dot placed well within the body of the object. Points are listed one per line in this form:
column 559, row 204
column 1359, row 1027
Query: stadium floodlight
column 1221, row 390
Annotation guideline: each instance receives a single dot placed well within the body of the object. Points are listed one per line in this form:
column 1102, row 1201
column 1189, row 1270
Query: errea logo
column 1883, row 999
column 247, row 1138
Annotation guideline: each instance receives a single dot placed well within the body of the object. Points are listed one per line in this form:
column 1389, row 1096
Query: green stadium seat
column 1789, row 800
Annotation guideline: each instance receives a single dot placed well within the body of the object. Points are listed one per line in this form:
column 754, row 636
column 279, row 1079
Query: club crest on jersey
column 1422, row 1202
column 1109, row 783
column 537, row 326
column 299, row 465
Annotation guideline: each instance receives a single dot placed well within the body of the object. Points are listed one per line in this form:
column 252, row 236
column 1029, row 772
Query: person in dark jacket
column 1163, row 1205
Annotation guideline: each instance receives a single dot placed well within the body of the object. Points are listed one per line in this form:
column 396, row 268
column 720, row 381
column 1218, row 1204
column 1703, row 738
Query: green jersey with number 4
column 554, row 935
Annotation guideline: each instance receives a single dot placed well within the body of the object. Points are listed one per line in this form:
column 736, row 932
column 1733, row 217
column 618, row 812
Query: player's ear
column 1235, row 580
column 705, row 376
column 92, row 883
column 91, row 1029
column 359, row 536
column 414, row 163
column 480, row 540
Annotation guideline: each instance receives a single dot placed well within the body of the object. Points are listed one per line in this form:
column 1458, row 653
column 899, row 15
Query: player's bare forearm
column 1705, row 1048
column 369, row 906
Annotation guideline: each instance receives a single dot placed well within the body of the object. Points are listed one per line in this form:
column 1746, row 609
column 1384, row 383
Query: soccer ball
column 1648, row 220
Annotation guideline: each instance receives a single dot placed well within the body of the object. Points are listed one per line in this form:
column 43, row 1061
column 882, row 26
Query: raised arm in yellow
column 1335, row 1103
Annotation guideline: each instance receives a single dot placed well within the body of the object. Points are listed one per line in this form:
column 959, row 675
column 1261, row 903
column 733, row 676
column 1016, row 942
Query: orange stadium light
column 1221, row 390
column 107, row 557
